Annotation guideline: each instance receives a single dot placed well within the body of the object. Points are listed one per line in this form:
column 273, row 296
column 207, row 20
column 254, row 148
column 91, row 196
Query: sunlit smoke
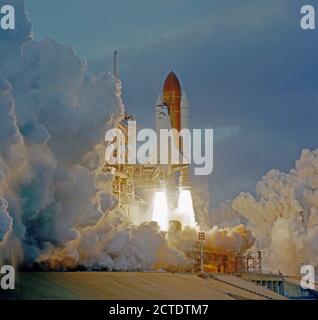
column 160, row 210
column 185, row 206
column 283, row 215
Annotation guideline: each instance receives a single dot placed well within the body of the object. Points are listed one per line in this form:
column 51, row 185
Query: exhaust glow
column 185, row 206
column 160, row 210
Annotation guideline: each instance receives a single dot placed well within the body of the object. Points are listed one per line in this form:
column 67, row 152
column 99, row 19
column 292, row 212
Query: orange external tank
column 171, row 94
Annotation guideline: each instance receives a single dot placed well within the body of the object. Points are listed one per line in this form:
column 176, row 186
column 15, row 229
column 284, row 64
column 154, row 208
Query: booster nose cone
column 171, row 94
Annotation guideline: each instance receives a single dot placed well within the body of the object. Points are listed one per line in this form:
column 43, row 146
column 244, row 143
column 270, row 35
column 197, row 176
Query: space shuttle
column 172, row 112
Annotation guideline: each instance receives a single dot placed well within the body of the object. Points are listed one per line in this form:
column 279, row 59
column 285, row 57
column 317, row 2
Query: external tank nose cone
column 172, row 85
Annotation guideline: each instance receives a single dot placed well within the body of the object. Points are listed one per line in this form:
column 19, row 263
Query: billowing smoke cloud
column 230, row 241
column 227, row 241
column 112, row 245
column 283, row 216
column 53, row 117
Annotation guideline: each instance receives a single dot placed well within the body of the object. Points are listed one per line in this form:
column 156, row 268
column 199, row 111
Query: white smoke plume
column 112, row 245
column 53, row 117
column 283, row 216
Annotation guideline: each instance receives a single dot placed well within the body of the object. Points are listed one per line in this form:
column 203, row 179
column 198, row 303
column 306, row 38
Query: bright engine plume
column 160, row 212
column 185, row 206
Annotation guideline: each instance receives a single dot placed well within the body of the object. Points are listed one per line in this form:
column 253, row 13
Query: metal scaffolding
column 250, row 262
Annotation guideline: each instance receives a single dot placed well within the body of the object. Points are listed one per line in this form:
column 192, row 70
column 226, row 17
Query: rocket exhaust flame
column 160, row 210
column 185, row 205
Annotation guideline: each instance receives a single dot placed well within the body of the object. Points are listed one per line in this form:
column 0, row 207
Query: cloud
column 283, row 216
column 53, row 120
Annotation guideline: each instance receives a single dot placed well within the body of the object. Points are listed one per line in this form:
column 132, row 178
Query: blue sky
column 249, row 70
